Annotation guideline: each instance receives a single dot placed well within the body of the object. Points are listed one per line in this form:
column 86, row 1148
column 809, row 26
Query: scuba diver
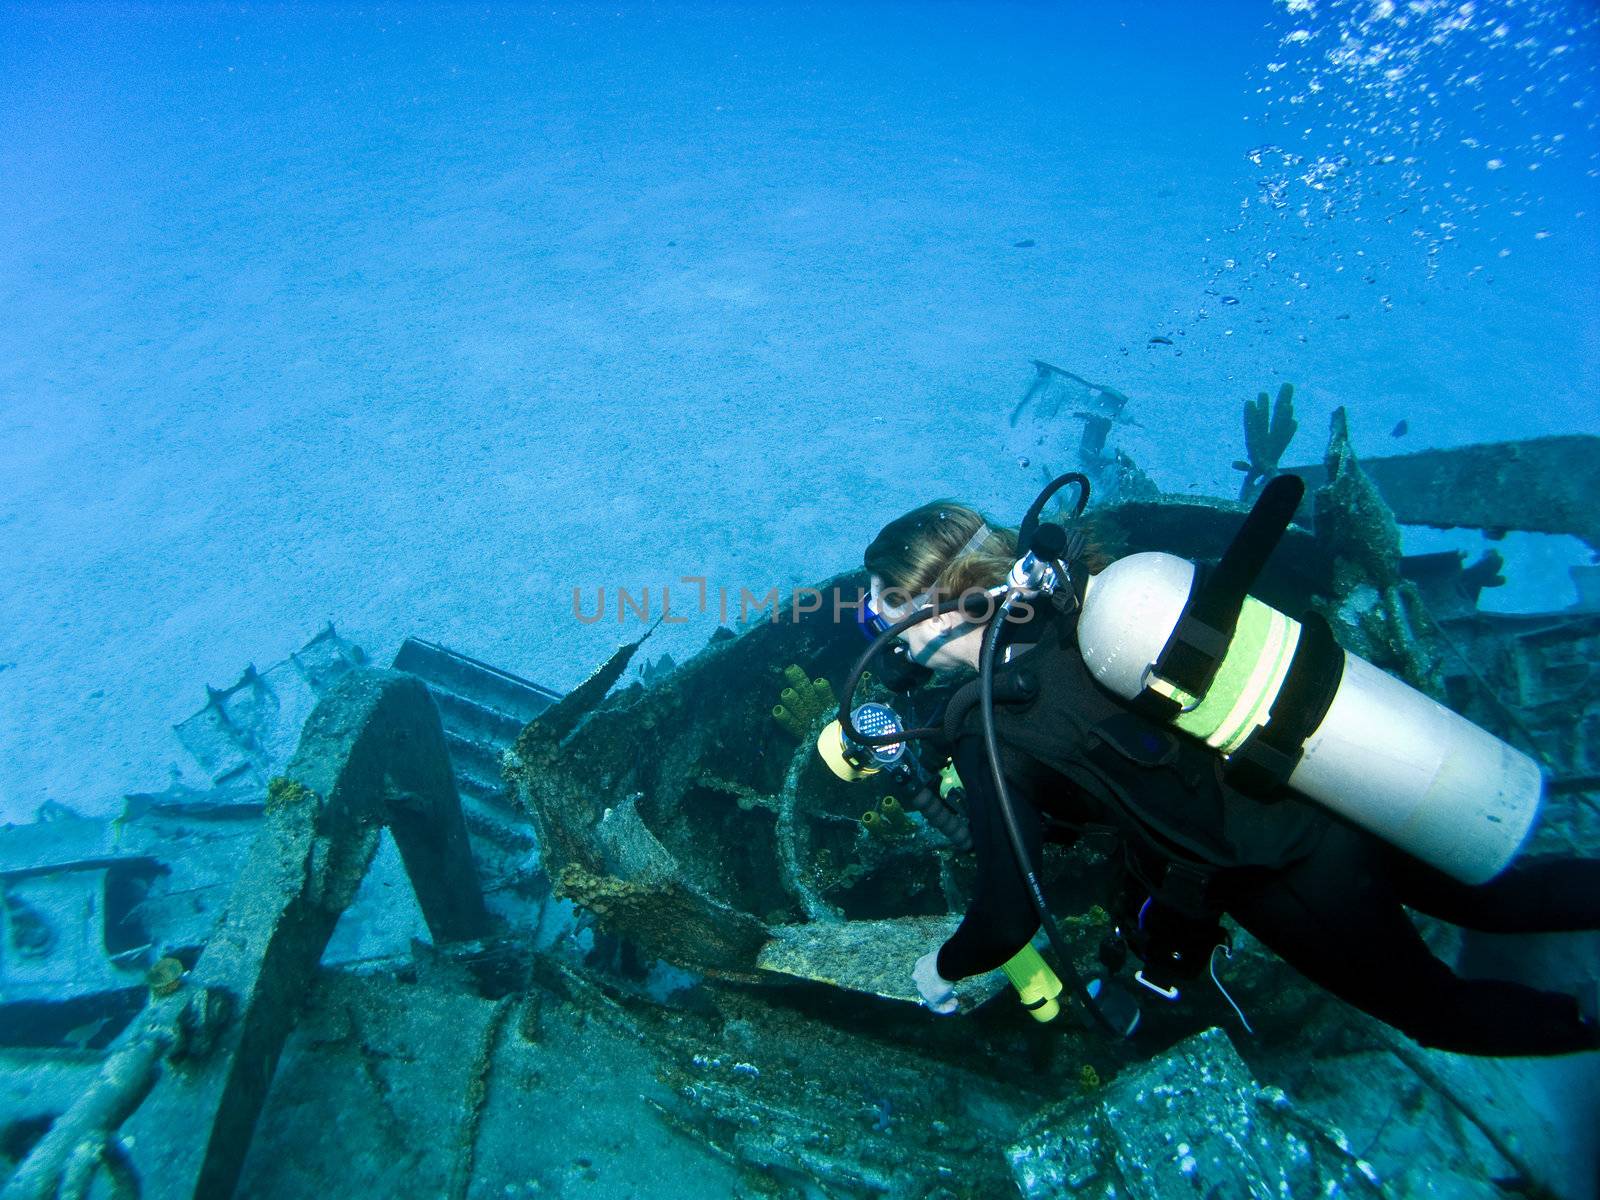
column 1245, row 762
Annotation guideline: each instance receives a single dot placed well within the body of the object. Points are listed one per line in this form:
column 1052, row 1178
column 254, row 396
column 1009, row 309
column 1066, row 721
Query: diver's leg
column 1533, row 895
column 1337, row 919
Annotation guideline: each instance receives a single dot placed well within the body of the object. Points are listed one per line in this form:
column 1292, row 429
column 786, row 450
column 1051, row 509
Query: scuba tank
column 1285, row 704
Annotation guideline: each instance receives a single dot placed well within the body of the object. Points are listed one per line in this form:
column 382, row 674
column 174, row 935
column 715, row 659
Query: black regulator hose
column 991, row 745
column 942, row 817
column 1030, row 519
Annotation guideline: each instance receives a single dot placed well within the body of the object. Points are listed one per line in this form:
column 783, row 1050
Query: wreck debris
column 537, row 754
column 94, row 901
column 1538, row 485
column 1535, row 676
column 709, row 820
column 807, row 1100
column 1448, row 587
column 1053, row 393
column 1190, row 1122
column 246, row 728
column 1052, row 387
column 1381, row 614
column 67, row 927
column 482, row 709
column 655, row 670
column 372, row 755
column 1415, row 1060
column 86, row 1133
column 672, row 920
column 166, row 977
column 685, row 817
column 477, row 1097
column 871, row 957
column 1115, row 477
column 560, row 719
column 796, row 876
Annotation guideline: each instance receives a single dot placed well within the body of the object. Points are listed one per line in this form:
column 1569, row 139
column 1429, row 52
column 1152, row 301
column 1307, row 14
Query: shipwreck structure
column 434, row 930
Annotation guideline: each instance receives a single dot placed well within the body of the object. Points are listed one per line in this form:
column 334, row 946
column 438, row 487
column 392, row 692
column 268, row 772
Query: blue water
column 416, row 318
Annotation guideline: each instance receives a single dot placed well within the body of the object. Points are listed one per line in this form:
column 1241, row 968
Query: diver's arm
column 1000, row 920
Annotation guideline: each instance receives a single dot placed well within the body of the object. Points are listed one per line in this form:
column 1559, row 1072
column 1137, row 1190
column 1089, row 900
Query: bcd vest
column 1164, row 791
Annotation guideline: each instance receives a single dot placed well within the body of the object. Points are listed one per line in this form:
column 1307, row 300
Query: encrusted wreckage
column 345, row 967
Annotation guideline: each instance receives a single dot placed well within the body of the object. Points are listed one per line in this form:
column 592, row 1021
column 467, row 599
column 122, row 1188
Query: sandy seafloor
column 417, row 318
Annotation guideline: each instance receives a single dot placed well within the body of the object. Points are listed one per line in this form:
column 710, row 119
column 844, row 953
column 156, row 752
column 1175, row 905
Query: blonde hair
column 930, row 549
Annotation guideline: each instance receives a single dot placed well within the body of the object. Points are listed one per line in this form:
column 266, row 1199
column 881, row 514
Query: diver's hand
column 938, row 994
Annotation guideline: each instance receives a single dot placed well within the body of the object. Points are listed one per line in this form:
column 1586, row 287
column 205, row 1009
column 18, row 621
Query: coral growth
column 285, row 794
column 1380, row 615
column 888, row 819
column 803, row 702
column 1267, row 434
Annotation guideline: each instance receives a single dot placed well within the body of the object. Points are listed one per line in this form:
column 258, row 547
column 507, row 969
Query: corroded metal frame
column 175, row 1105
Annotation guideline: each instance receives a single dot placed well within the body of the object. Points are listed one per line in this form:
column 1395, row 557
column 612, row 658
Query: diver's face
column 941, row 643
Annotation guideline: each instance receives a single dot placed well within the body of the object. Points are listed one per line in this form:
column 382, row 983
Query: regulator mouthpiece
column 851, row 761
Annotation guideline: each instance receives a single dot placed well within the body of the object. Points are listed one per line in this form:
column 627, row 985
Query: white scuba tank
column 1385, row 756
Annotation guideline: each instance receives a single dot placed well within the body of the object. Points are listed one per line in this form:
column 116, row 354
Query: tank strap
column 1272, row 751
column 1200, row 640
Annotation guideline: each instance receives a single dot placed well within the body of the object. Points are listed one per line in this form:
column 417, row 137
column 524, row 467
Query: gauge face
column 875, row 719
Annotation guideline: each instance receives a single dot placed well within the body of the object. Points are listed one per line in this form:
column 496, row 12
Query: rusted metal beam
column 1542, row 485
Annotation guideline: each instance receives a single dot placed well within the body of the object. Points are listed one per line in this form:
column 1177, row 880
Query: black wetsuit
column 1328, row 898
